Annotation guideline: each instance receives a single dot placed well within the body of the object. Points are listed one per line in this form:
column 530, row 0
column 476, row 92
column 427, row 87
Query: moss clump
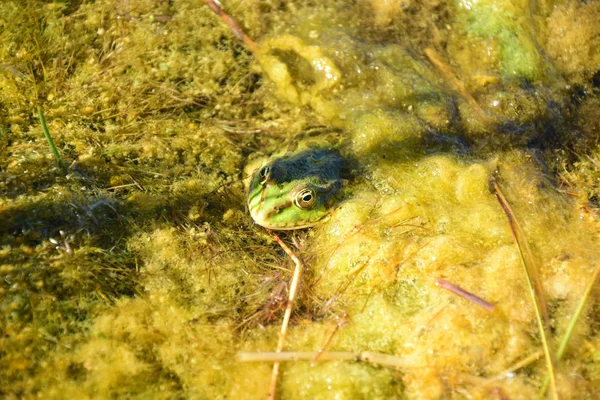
column 411, row 235
column 139, row 274
column 342, row 71
column 342, row 76
column 573, row 40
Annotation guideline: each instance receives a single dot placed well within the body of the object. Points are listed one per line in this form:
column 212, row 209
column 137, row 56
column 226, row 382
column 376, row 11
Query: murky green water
column 140, row 274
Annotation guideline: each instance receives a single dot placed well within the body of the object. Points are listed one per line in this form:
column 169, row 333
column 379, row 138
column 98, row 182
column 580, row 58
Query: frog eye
column 305, row 199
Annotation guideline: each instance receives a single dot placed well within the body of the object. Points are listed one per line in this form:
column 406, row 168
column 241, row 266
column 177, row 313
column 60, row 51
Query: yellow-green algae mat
column 140, row 275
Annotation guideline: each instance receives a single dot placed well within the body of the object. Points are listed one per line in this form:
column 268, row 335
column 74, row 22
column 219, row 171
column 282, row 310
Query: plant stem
column 61, row 164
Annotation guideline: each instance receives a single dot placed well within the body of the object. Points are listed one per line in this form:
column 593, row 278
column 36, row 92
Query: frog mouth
column 263, row 219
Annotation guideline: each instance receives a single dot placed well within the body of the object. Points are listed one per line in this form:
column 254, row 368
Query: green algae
column 508, row 23
column 139, row 274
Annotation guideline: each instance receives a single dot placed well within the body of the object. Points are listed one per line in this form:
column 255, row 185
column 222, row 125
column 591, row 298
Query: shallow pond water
column 139, row 273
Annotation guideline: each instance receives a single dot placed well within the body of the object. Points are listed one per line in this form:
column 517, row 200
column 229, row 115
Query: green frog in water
column 295, row 190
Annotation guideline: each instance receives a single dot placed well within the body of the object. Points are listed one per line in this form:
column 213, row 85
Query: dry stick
column 235, row 27
column 385, row 360
column 533, row 280
column 342, row 288
column 288, row 310
column 322, row 350
column 518, row 365
column 465, row 294
column 456, row 84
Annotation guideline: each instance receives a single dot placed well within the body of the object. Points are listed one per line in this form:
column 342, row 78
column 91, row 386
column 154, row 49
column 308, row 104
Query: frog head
column 295, row 190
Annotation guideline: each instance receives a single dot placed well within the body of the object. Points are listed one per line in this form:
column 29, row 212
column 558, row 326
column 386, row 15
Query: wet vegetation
column 136, row 271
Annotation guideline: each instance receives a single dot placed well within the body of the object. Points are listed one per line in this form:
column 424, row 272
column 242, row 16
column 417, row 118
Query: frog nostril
column 264, row 172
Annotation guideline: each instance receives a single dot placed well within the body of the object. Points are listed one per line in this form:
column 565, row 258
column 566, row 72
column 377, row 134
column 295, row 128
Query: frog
column 295, row 190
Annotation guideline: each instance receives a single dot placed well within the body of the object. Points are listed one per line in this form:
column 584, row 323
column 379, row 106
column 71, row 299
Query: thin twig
column 533, row 280
column 344, row 286
column 463, row 293
column 235, row 27
column 515, row 367
column 385, row 360
column 323, row 349
column 456, row 84
column 288, row 310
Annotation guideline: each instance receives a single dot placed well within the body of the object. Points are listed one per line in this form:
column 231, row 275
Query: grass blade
column 534, row 283
column 59, row 160
column 565, row 340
